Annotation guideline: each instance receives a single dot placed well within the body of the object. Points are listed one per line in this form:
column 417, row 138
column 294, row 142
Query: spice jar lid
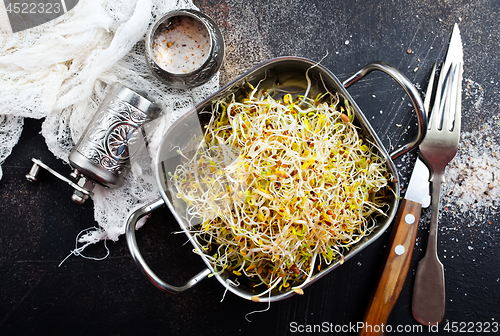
column 137, row 100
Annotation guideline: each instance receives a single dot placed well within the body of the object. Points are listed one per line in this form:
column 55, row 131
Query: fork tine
column 449, row 100
column 428, row 92
column 442, row 101
column 453, row 105
column 458, row 102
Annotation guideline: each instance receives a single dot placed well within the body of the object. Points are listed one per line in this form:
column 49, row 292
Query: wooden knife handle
column 397, row 262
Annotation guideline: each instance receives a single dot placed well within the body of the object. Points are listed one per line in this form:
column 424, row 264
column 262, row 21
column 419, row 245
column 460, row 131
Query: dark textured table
column 112, row 297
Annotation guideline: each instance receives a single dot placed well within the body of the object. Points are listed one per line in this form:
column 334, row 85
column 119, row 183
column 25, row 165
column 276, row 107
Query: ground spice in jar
column 182, row 45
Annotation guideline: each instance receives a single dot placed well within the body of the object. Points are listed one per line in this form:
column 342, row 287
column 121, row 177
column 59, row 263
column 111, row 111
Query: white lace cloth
column 62, row 70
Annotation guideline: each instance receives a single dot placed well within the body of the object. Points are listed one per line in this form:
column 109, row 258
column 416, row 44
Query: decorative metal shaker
column 102, row 155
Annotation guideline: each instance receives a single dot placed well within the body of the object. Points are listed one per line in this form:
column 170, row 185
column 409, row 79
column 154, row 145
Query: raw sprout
column 281, row 187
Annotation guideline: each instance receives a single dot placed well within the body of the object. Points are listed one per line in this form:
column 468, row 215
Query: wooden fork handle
column 397, row 262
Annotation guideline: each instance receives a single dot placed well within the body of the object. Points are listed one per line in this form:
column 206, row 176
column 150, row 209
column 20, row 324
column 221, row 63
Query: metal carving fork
column 437, row 149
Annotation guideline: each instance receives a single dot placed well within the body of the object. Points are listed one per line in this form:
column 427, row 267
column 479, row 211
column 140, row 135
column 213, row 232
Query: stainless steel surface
column 438, row 149
column 289, row 74
column 418, row 187
column 205, row 71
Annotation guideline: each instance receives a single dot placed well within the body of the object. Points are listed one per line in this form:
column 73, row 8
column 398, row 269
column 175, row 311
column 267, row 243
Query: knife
column 399, row 251
column 400, row 247
column 401, row 243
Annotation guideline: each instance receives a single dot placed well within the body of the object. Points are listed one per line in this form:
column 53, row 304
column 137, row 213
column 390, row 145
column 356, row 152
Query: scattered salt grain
column 472, row 177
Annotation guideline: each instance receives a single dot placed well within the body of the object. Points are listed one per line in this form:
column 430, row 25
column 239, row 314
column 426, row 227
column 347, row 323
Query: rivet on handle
column 399, row 249
column 409, row 219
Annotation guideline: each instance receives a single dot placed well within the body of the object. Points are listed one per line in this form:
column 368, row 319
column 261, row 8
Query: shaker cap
column 138, row 100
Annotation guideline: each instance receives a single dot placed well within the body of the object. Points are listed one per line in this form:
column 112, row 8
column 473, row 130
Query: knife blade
column 418, row 190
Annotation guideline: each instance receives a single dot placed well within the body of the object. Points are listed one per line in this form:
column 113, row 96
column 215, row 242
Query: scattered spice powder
column 472, row 176
column 182, row 45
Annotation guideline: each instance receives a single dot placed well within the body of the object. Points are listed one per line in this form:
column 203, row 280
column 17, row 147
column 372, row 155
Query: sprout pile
column 280, row 188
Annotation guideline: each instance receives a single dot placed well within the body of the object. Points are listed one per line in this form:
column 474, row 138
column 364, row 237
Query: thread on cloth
column 79, row 249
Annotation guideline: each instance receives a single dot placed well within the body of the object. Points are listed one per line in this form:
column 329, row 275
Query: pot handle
column 139, row 260
column 410, row 90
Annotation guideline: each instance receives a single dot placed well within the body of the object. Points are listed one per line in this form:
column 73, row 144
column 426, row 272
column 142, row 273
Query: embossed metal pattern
column 108, row 139
column 103, row 152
